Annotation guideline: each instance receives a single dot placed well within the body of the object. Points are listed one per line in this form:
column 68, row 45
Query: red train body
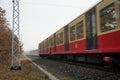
column 94, row 36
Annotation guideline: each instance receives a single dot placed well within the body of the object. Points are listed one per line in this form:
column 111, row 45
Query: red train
column 93, row 37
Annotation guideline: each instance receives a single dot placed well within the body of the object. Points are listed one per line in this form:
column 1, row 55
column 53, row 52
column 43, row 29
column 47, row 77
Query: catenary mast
column 15, row 62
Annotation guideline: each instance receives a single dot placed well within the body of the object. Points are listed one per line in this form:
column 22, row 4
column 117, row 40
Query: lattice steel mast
column 15, row 62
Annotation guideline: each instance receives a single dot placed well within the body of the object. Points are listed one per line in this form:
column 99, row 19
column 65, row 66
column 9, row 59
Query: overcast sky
column 41, row 18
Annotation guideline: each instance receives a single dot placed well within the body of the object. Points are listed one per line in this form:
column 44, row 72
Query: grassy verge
column 28, row 72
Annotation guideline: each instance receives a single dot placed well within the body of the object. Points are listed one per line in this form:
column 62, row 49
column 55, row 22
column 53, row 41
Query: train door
column 66, row 39
column 91, row 30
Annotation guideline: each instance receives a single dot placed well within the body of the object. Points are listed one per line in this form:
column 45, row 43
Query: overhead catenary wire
column 49, row 4
column 55, row 4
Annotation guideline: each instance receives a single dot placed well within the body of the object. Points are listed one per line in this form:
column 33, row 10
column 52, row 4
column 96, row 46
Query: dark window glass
column 61, row 38
column 45, row 44
column 57, row 39
column 49, row 41
column 79, row 30
column 72, row 33
column 52, row 42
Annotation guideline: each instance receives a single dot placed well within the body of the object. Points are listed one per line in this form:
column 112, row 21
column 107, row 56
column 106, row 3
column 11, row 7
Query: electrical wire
column 49, row 4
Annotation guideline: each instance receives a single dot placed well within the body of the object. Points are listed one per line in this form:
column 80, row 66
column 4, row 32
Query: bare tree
column 5, row 39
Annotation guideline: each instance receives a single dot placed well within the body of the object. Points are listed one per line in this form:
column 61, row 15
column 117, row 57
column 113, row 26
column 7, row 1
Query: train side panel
column 109, row 42
column 108, row 26
column 77, row 35
column 78, row 47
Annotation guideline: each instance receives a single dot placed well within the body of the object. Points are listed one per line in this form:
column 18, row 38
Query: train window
column 72, row 33
column 39, row 46
column 45, row 44
column 108, row 18
column 52, row 42
column 57, row 39
column 61, row 38
column 79, row 30
column 49, row 41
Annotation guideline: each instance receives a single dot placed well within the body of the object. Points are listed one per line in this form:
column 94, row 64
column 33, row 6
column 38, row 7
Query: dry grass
column 28, row 72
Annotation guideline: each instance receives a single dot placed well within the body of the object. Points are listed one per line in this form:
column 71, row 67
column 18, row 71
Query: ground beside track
column 28, row 72
column 71, row 72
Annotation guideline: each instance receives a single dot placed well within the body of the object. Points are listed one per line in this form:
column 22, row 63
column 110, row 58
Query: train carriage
column 93, row 37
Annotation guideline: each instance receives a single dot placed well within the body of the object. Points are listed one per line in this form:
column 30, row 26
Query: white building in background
column 34, row 52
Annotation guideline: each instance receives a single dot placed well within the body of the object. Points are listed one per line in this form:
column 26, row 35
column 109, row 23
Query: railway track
column 77, row 71
column 103, row 67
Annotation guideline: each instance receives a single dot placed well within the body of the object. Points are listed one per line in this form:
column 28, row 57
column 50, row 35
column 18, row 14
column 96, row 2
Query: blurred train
column 92, row 37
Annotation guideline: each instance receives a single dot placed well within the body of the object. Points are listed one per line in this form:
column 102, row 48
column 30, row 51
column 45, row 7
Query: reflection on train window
column 79, row 30
column 72, row 33
column 108, row 18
